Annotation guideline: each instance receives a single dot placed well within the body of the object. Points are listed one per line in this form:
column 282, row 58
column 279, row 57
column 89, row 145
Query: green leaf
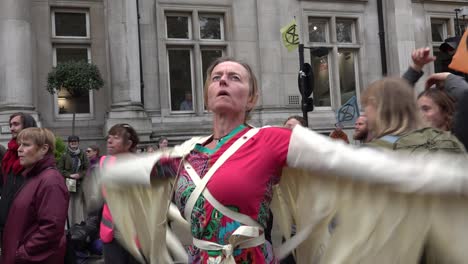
column 77, row 77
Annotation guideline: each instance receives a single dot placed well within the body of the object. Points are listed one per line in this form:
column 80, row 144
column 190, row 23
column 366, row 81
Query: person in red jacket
column 34, row 227
column 121, row 138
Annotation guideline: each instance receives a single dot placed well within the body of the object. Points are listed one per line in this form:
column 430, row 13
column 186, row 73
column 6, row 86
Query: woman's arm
column 460, row 125
column 129, row 168
column 420, row 57
column 455, row 85
column 316, row 153
column 141, row 169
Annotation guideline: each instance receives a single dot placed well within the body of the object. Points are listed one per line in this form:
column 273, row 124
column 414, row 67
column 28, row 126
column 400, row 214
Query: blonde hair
column 253, row 85
column 40, row 137
column 396, row 109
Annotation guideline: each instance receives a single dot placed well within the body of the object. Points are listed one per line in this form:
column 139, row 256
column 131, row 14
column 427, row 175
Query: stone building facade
column 153, row 54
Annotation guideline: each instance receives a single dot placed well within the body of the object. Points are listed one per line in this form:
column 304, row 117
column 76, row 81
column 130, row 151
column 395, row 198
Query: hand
column 75, row 176
column 437, row 79
column 421, row 57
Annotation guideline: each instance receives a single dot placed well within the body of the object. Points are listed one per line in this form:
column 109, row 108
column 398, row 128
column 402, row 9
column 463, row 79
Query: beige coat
column 385, row 206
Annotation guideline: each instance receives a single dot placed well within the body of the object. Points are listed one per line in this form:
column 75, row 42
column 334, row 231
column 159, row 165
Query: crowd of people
column 224, row 184
column 42, row 196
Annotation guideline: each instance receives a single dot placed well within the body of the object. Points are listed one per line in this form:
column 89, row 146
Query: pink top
column 243, row 183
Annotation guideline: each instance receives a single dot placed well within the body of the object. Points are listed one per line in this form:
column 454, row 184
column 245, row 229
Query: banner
column 460, row 59
column 290, row 36
column 348, row 112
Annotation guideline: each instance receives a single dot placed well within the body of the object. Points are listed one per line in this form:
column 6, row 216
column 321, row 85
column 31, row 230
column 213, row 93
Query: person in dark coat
column 34, row 228
column 73, row 165
column 2, row 152
column 11, row 168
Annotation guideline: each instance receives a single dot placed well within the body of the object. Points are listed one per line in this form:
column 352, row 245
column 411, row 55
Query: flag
column 348, row 112
column 460, row 59
column 290, row 35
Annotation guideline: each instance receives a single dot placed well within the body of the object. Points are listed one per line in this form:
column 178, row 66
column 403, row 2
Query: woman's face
column 163, row 144
column 90, row 153
column 431, row 113
column 228, row 91
column 292, row 123
column 116, row 144
column 29, row 153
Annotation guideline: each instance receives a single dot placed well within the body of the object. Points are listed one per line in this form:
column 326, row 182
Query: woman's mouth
column 223, row 93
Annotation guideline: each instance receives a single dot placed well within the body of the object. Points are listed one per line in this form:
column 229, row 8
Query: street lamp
column 306, row 79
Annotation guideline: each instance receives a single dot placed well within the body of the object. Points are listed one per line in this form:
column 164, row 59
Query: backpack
column 426, row 140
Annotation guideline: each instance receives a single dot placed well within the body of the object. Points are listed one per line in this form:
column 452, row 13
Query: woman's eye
column 235, row 78
column 216, row 78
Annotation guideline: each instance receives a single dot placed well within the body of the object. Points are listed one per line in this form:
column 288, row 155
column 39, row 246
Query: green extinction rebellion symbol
column 290, row 36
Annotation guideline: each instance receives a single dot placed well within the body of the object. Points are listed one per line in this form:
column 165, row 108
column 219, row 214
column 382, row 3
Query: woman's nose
column 223, row 80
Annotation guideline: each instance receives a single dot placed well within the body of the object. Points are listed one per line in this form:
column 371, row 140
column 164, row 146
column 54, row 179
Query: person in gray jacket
column 454, row 85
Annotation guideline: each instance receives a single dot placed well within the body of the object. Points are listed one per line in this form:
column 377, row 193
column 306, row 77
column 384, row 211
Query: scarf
column 76, row 161
column 10, row 161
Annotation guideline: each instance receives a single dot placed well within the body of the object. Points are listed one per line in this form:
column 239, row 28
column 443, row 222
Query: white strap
column 239, row 217
column 293, row 242
column 243, row 237
column 202, row 184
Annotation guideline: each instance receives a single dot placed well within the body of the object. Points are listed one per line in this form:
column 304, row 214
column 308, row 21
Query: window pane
column 210, row 27
column 68, row 104
column 208, row 56
column 438, row 32
column 317, row 30
column 69, row 54
column 180, row 80
column 347, row 75
column 321, row 93
column 344, row 31
column 70, row 24
column 178, row 27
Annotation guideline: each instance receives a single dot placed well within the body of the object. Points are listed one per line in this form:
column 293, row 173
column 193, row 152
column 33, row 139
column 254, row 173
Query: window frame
column 449, row 20
column 78, row 116
column 334, row 46
column 196, row 45
column 440, row 21
column 61, row 10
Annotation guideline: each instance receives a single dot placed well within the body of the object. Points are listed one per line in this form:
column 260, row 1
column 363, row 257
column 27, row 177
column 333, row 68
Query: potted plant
column 76, row 77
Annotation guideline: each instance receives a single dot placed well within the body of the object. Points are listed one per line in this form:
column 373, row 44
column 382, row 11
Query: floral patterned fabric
column 243, row 184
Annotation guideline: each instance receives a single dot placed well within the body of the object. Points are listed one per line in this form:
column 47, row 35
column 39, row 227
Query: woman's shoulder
column 50, row 175
column 275, row 131
column 274, row 134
